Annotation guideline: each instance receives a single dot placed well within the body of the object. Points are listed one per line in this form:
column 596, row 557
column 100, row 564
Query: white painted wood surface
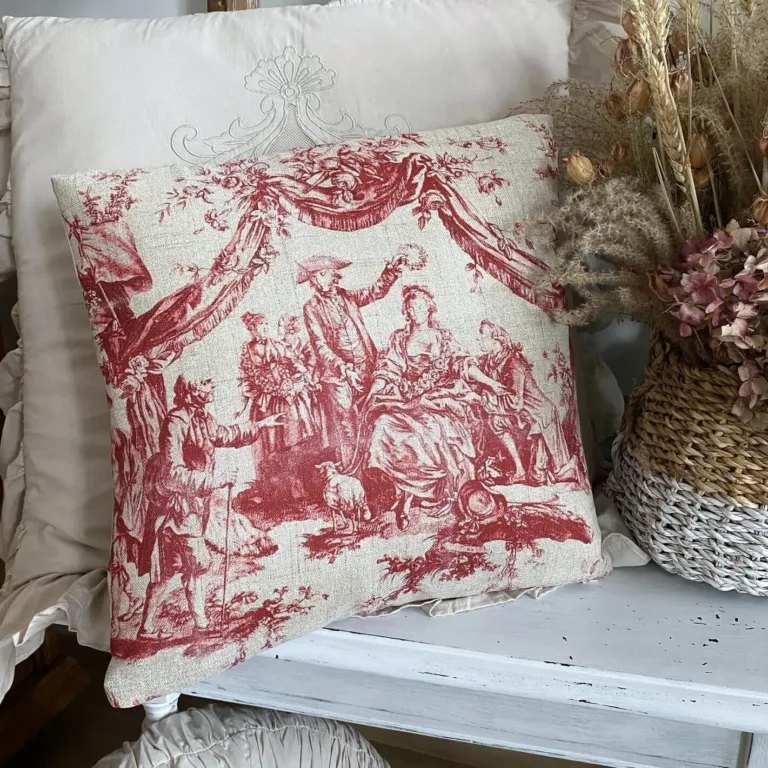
column 641, row 669
column 607, row 737
column 638, row 621
column 758, row 754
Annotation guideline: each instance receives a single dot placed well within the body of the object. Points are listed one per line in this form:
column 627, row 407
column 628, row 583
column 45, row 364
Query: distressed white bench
column 641, row 669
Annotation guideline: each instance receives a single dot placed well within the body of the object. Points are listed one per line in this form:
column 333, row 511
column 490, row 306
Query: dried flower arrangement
column 668, row 167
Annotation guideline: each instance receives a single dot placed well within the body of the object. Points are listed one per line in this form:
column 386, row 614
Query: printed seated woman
column 522, row 414
column 419, row 410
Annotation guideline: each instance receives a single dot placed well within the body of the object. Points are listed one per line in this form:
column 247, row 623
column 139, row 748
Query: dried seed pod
column 680, row 83
column 701, row 67
column 764, row 144
column 701, row 178
column 628, row 23
column 699, row 151
column 580, row 169
column 621, row 154
column 615, row 106
column 638, row 97
column 628, row 57
column 605, row 167
column 760, row 210
column 678, row 41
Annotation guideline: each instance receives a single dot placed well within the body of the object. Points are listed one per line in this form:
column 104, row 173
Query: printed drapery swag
column 334, row 387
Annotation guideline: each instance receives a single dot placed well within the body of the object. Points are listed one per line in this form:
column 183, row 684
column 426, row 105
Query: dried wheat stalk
column 690, row 10
column 653, row 21
column 660, row 185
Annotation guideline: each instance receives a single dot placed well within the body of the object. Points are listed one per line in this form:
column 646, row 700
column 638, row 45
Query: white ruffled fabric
column 7, row 263
column 220, row 736
column 83, row 608
column 12, row 475
column 83, row 605
column 11, row 455
column 11, row 447
column 83, row 592
column 80, row 603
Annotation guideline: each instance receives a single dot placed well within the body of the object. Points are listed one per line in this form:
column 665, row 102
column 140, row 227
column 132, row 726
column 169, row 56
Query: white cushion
column 595, row 28
column 239, row 737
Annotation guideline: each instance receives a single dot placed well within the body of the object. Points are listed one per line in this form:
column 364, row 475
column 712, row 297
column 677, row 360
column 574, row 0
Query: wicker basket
column 690, row 479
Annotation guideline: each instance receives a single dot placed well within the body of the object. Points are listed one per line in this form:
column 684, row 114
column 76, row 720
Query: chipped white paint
column 607, row 737
column 643, row 669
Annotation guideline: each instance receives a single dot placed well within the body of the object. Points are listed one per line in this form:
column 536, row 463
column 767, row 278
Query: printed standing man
column 179, row 481
column 345, row 352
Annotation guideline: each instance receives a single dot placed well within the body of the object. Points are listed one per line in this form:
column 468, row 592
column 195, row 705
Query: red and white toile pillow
column 334, row 388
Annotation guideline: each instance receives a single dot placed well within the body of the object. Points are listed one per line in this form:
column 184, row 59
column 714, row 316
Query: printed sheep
column 345, row 497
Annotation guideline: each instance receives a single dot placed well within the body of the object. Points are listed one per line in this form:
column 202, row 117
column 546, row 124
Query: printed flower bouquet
column 666, row 223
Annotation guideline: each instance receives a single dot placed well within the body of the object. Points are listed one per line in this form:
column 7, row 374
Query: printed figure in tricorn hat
column 346, row 354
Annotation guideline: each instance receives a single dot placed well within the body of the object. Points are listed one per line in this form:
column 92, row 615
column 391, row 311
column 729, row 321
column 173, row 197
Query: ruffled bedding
column 79, row 602
column 7, row 266
column 11, row 454
column 72, row 594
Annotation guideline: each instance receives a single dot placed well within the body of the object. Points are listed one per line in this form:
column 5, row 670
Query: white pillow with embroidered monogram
column 334, row 389
column 201, row 90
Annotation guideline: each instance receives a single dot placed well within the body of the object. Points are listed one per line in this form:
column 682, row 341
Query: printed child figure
column 275, row 379
column 298, row 348
column 521, row 414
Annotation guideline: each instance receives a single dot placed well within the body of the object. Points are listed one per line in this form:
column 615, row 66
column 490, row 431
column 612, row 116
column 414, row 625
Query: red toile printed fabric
column 334, row 388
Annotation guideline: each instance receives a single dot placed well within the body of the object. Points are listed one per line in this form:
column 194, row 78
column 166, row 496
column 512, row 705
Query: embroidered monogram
column 291, row 106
